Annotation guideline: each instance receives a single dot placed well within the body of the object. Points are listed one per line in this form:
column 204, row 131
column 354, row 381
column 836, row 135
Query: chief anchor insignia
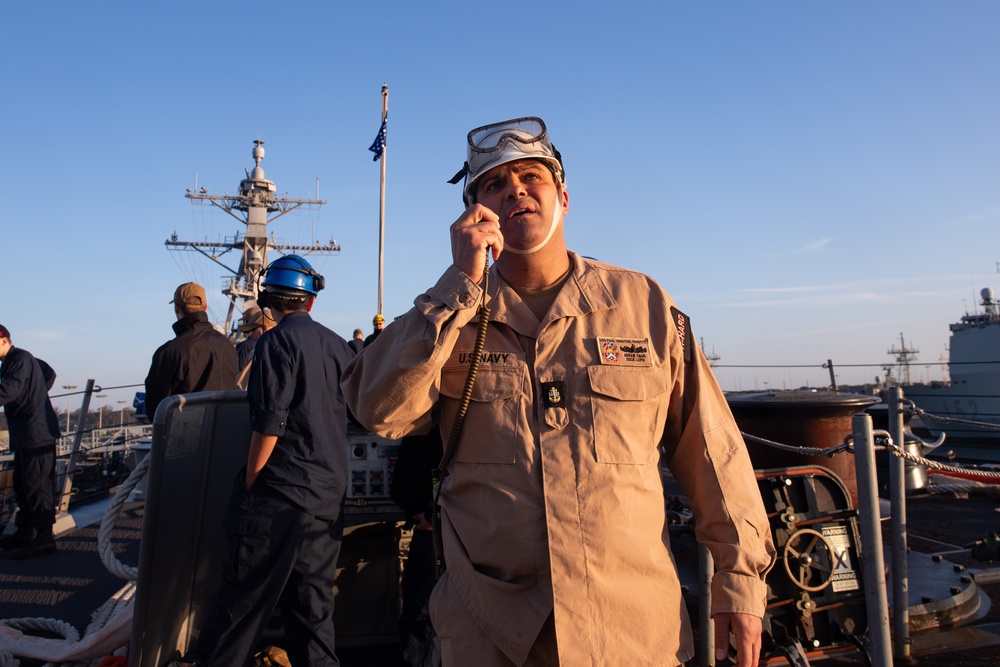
column 552, row 394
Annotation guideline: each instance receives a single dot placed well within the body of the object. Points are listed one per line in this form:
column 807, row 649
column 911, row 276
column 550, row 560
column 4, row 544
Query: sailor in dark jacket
column 412, row 489
column 255, row 322
column 34, row 429
column 199, row 358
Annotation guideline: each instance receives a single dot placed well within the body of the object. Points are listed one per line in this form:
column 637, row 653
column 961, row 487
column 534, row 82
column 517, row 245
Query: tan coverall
column 554, row 499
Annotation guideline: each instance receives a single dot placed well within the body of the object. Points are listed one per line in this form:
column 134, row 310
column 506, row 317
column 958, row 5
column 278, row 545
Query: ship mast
column 713, row 357
column 252, row 206
column 904, row 355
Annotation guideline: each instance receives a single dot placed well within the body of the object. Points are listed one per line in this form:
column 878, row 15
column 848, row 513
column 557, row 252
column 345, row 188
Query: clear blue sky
column 808, row 180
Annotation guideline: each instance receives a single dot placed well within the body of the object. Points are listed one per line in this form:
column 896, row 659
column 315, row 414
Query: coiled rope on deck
column 111, row 562
column 117, row 607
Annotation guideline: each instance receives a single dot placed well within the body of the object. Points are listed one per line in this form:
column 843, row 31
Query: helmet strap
column 548, row 237
column 462, row 173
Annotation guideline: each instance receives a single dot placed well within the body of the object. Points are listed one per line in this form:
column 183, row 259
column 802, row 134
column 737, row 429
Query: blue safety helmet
column 292, row 275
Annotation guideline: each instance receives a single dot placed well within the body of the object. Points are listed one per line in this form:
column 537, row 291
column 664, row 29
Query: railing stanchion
column 81, row 426
column 897, row 497
column 872, row 558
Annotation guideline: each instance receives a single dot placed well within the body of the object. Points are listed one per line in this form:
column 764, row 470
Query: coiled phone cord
column 456, row 429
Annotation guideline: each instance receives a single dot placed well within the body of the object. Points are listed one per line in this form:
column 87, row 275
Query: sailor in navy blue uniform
column 284, row 521
column 24, row 385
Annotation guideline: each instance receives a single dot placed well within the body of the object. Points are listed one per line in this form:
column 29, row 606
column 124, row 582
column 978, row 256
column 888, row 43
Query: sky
column 810, row 181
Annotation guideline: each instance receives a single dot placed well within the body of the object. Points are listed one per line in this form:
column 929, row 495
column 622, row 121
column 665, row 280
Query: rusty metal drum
column 812, row 419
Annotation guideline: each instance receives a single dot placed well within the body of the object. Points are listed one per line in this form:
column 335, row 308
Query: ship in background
column 256, row 205
column 95, row 458
column 966, row 408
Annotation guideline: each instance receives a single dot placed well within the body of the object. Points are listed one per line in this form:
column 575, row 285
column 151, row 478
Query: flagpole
column 381, row 202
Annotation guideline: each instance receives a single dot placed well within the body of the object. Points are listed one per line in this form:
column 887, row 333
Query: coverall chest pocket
column 490, row 432
column 627, row 413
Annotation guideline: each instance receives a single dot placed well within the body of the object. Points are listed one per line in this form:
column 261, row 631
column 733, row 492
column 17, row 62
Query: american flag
column 378, row 146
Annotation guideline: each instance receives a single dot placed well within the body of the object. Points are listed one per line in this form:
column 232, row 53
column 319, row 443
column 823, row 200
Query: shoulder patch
column 683, row 325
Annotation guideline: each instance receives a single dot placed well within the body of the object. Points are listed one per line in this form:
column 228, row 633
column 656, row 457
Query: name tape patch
column 683, row 325
column 624, row 351
column 490, row 358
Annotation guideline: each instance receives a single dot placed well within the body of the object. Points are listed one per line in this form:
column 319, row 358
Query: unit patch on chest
column 624, row 351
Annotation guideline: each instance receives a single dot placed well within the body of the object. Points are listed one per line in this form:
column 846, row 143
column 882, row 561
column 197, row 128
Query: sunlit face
column 525, row 196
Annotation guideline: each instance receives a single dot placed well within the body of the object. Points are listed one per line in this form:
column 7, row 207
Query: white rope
column 937, row 465
column 61, row 628
column 111, row 562
column 99, row 618
column 119, row 603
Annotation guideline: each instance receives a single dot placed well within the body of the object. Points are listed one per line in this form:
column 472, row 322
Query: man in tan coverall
column 552, row 512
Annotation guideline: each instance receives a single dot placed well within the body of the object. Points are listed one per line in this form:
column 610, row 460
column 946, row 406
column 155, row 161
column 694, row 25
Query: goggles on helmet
column 525, row 131
column 499, row 143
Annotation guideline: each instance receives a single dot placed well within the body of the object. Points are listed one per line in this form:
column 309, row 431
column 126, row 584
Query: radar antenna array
column 256, row 206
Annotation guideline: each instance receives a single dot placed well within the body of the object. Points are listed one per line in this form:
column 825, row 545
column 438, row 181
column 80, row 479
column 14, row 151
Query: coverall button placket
column 559, row 474
column 551, row 398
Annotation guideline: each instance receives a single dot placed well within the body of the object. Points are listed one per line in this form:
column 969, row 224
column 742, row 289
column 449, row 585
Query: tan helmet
column 495, row 144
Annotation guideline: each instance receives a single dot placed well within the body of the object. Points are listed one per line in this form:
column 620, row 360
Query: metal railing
column 74, row 454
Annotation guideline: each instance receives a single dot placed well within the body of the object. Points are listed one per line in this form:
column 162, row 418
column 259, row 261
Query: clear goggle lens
column 489, row 138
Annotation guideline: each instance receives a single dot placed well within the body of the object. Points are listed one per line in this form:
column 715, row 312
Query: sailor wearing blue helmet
column 285, row 519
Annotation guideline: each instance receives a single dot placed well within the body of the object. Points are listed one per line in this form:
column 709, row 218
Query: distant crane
column 255, row 201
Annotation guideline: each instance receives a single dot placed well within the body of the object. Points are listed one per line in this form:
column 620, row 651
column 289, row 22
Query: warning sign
column 844, row 578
